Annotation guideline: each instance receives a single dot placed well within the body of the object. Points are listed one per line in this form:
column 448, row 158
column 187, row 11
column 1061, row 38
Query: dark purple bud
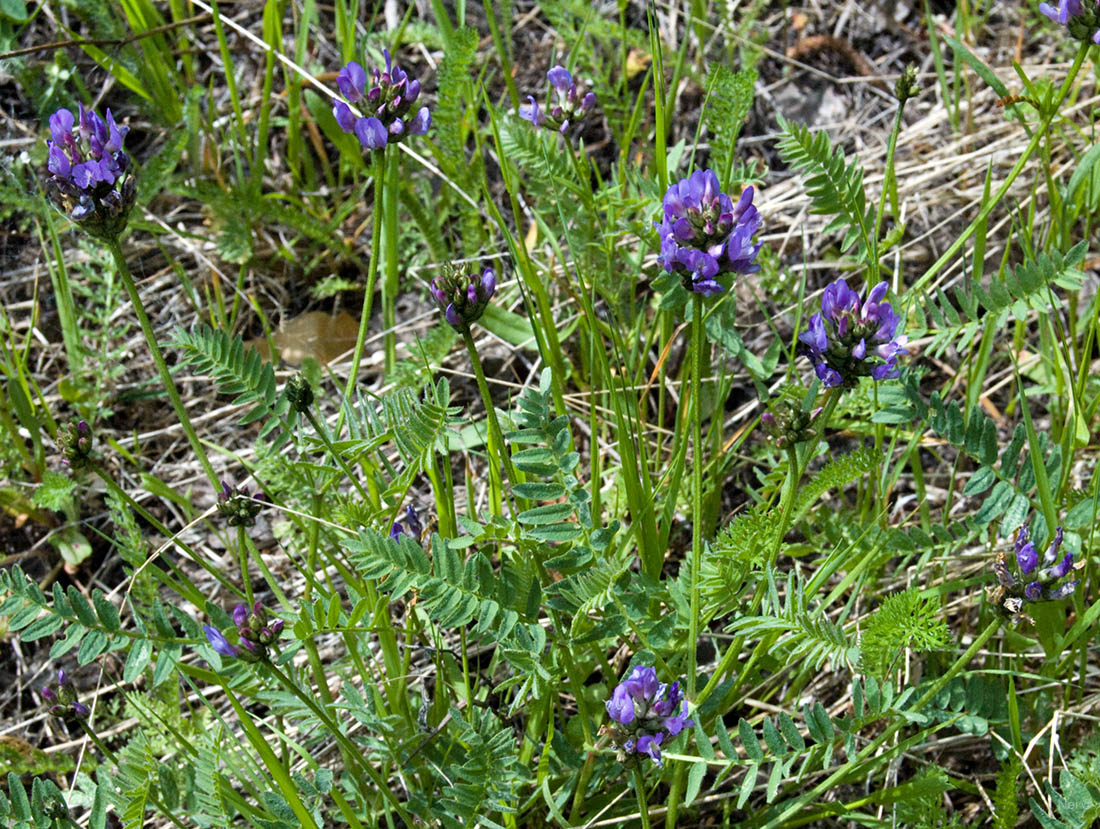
column 419, row 125
column 240, row 615
column 488, row 282
column 48, row 695
column 80, row 709
column 1033, row 590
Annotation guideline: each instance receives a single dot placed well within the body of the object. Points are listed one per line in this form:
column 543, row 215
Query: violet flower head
column 463, row 297
column 704, row 234
column 386, row 106
column 238, row 506
column 853, row 336
column 62, row 701
column 90, row 179
column 1080, row 17
column 1032, row 582
column 257, row 631
column 645, row 711
column 565, row 108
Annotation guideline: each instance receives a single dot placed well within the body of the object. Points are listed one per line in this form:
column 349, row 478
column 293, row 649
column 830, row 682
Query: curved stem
column 158, row 358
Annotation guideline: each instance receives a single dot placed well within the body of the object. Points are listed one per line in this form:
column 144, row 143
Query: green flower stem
column 377, row 169
column 849, row 768
column 242, row 555
column 158, row 358
column 244, row 541
column 916, row 289
column 697, row 340
column 639, row 790
column 323, row 434
column 164, row 810
column 497, row 455
column 354, row 752
column 390, row 192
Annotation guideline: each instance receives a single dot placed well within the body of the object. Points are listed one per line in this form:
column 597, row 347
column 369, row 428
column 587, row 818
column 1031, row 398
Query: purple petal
column 531, row 111
column 488, row 283
column 452, row 316
column 560, row 78
column 61, row 126
column 419, row 125
column 642, row 683
column 58, row 162
column 1051, row 554
column 240, row 615
column 218, row 642
column 1027, row 557
column 371, row 133
column 344, row 116
column 621, row 706
column 352, row 80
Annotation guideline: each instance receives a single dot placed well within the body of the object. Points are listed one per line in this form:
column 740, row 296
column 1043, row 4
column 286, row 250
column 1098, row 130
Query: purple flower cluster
column 62, row 702
column 853, row 337
column 238, row 506
column 570, row 108
column 1080, row 17
column 89, row 173
column 645, row 712
column 387, row 105
column 463, row 297
column 704, row 234
column 412, row 525
column 1035, row 583
column 257, row 633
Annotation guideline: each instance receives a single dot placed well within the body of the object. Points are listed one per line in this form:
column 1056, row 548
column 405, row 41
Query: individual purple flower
column 644, row 711
column 704, row 234
column 385, row 109
column 463, row 297
column 89, row 179
column 853, row 337
column 569, row 108
column 1041, row 583
column 218, row 641
column 1082, row 19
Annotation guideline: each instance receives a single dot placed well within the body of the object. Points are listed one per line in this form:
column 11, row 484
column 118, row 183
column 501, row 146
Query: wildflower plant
column 381, row 668
column 567, row 107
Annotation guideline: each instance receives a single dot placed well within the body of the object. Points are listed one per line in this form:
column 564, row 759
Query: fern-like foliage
column 804, row 636
column 242, row 373
column 452, row 591
column 905, row 620
column 959, row 318
column 810, row 746
column 838, row 472
column 834, row 186
column 414, row 427
column 728, row 102
column 1006, row 807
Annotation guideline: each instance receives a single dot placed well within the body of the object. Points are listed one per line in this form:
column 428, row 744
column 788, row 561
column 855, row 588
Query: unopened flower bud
column 299, row 393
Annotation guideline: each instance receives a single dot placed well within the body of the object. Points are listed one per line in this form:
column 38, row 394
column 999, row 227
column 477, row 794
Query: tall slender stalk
column 697, row 340
column 497, row 455
column 378, row 167
column 639, row 791
column 158, row 358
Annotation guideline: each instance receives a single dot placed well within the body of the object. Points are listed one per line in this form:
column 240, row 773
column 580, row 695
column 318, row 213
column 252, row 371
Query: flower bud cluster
column 704, row 234
column 62, row 702
column 787, row 423
column 853, row 337
column 1032, row 582
column 645, row 712
column 299, row 393
column 238, row 506
column 412, row 525
column 570, row 108
column 463, row 297
column 75, row 441
column 90, row 179
column 386, row 105
column 257, row 632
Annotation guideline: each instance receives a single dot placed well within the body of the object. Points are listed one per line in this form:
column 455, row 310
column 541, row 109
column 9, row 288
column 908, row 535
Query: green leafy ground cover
column 605, row 482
